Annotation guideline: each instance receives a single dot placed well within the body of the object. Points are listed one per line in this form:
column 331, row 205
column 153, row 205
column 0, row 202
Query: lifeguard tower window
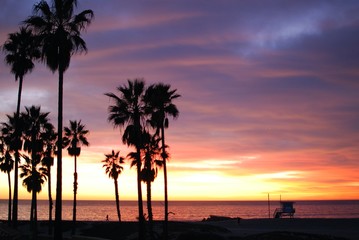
column 286, row 209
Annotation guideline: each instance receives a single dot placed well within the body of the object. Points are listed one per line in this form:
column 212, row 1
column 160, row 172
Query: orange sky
column 269, row 96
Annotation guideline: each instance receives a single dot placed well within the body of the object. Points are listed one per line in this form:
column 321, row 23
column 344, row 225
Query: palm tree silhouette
column 113, row 170
column 12, row 141
column 151, row 150
column 59, row 31
column 6, row 166
column 36, row 124
column 21, row 49
column 34, row 176
column 50, row 137
column 75, row 136
column 159, row 99
column 128, row 110
column 151, row 164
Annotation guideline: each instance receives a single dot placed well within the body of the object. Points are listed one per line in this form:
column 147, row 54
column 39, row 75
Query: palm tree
column 21, row 49
column 159, row 99
column 151, row 150
column 6, row 166
column 50, row 137
column 151, row 163
column 59, row 30
column 12, row 141
column 34, row 178
column 36, row 124
column 113, row 170
column 128, row 110
column 75, row 136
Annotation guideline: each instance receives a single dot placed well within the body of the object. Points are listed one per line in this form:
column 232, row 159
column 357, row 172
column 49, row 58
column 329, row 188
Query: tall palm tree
column 50, row 137
column 59, row 30
column 21, row 49
column 75, row 136
column 113, row 170
column 128, row 110
column 159, row 99
column 36, row 124
column 6, row 166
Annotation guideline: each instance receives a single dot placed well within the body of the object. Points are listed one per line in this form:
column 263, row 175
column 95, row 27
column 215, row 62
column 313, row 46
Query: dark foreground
column 251, row 229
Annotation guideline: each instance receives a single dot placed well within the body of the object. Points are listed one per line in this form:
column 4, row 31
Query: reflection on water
column 188, row 210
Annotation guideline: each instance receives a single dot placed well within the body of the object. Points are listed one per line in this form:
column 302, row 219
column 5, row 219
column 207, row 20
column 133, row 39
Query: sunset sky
column 270, row 95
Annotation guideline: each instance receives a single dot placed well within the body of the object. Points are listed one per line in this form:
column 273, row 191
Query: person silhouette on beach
column 107, row 218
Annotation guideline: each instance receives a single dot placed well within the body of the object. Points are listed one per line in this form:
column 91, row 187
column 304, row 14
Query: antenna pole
column 268, row 207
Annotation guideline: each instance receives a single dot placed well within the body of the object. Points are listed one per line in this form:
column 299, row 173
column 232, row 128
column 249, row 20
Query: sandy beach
column 246, row 229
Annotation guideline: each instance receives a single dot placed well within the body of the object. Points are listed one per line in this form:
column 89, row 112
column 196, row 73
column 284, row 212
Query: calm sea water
column 189, row 210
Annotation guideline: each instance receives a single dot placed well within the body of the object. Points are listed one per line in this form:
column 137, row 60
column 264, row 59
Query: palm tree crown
column 159, row 99
column 75, row 135
column 33, row 176
column 129, row 106
column 36, row 124
column 59, row 31
column 21, row 48
column 112, row 164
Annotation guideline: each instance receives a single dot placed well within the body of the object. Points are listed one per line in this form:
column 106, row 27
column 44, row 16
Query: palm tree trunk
column 50, row 197
column 34, row 179
column 19, row 97
column 34, row 221
column 149, row 202
column 117, row 200
column 141, row 220
column 17, row 158
column 58, row 209
column 33, row 214
column 16, row 189
column 74, row 206
column 165, row 227
column 148, row 186
column 149, row 208
column 9, row 209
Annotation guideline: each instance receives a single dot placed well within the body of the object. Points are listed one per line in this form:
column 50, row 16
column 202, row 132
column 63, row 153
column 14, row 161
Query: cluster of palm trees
column 52, row 34
column 143, row 114
column 32, row 138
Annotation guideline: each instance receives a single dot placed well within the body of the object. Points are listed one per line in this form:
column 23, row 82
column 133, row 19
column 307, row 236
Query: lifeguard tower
column 286, row 209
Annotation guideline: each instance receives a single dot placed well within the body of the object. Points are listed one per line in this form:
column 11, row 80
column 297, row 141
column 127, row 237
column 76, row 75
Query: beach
column 246, row 229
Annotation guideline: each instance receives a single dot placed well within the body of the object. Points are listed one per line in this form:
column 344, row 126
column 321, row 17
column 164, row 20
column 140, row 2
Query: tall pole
column 268, row 206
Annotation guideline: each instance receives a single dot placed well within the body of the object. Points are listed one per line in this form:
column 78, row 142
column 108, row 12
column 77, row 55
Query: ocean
column 189, row 210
